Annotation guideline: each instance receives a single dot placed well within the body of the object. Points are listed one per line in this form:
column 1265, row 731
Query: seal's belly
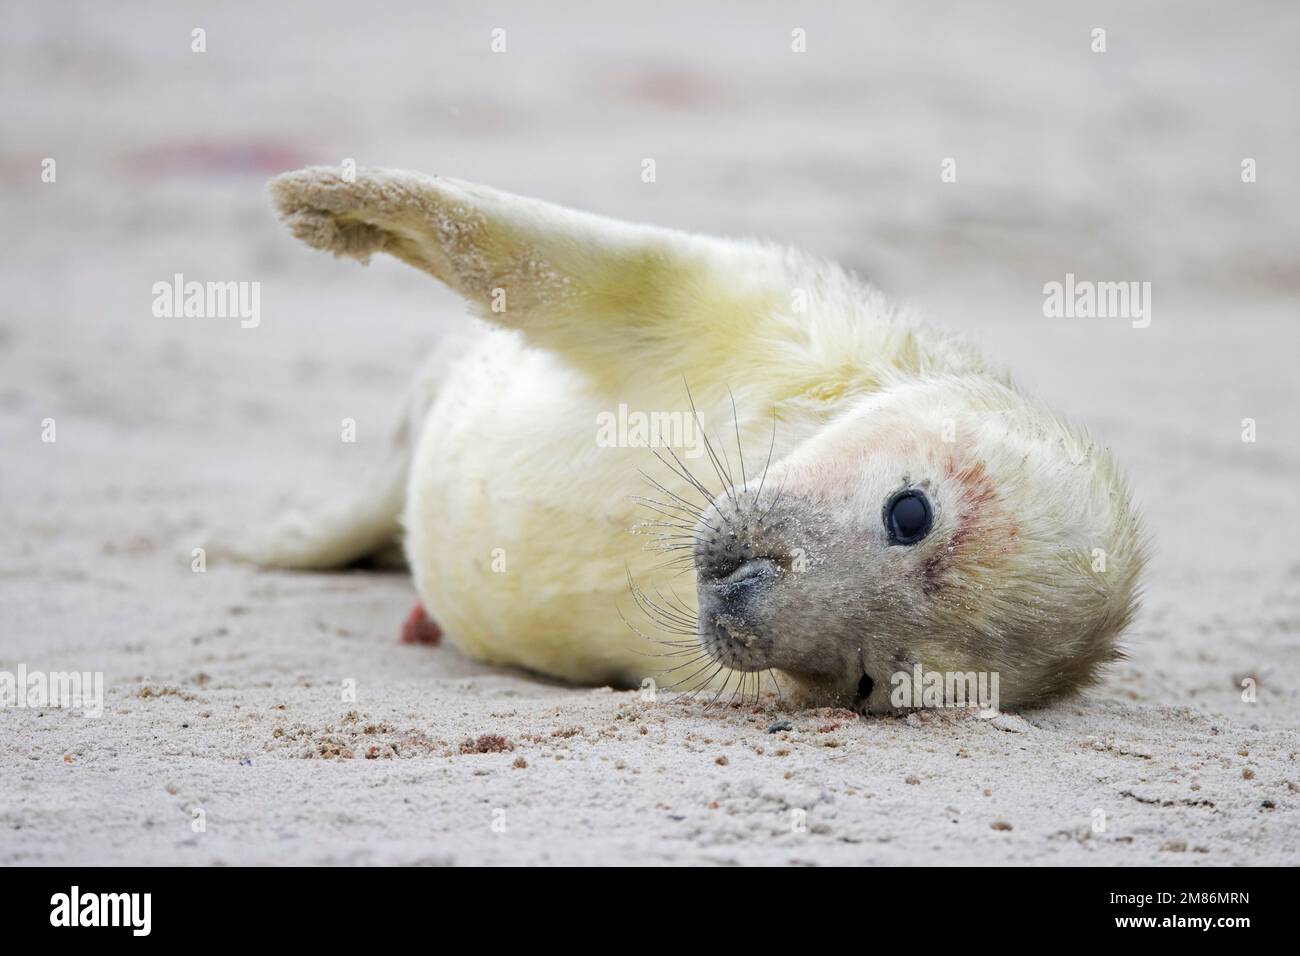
column 518, row 520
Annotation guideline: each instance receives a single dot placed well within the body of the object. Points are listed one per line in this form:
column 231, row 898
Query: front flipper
column 578, row 283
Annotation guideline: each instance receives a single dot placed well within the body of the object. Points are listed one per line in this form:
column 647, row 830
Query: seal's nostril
column 743, row 582
column 748, row 572
column 722, row 562
column 865, row 686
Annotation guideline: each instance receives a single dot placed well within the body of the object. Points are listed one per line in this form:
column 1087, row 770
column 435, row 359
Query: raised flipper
column 590, row 287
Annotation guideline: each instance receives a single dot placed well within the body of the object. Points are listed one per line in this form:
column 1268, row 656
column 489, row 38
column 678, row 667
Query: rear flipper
column 329, row 537
column 365, row 526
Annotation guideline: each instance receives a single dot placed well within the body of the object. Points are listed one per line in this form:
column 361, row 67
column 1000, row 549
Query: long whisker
column 704, row 683
column 740, row 450
column 776, row 684
column 672, row 622
column 740, row 688
column 770, row 446
column 725, row 681
column 684, row 473
column 640, row 633
column 728, row 485
column 686, row 505
column 680, row 604
column 775, row 499
column 660, row 507
column 669, row 613
column 678, row 529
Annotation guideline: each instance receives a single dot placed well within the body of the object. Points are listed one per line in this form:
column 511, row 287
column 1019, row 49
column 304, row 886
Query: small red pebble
column 419, row 628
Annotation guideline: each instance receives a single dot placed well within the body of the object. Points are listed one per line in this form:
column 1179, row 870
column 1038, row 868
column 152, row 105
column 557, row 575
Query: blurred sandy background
column 223, row 688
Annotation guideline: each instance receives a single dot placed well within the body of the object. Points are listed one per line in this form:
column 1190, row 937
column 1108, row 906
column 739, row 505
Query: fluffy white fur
column 598, row 313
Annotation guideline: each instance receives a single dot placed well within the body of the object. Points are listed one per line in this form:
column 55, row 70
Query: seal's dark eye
column 908, row 516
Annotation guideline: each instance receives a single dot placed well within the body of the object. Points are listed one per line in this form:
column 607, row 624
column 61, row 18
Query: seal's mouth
column 729, row 609
column 731, row 642
column 740, row 625
column 865, row 686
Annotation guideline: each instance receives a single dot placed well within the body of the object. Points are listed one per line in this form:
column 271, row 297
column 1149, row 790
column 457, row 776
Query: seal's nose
column 720, row 560
column 743, row 582
column 739, row 550
column 724, row 540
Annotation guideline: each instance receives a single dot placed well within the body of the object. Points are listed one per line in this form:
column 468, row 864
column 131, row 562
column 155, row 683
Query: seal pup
column 884, row 499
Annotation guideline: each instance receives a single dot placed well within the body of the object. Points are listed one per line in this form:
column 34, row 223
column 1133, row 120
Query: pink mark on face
column 419, row 628
column 977, row 524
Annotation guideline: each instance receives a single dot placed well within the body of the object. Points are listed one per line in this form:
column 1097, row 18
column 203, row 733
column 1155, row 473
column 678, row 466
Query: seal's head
column 949, row 524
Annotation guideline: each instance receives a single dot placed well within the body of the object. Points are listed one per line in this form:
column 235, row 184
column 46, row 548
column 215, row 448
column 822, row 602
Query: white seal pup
column 882, row 501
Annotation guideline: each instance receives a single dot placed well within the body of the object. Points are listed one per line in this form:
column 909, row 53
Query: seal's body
column 856, row 494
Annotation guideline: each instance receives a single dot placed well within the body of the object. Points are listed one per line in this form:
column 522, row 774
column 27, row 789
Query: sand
column 227, row 735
